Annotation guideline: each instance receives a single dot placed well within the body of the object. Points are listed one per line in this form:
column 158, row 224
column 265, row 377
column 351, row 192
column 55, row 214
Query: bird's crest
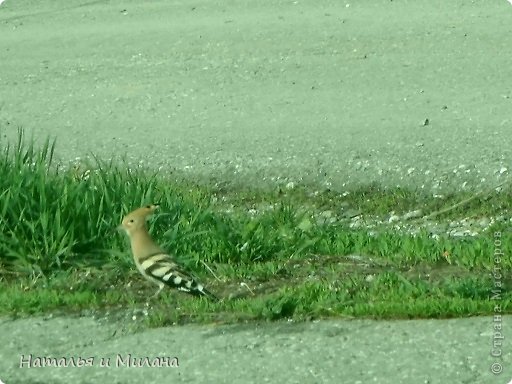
column 137, row 218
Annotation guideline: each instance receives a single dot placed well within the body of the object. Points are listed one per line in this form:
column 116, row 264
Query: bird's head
column 136, row 220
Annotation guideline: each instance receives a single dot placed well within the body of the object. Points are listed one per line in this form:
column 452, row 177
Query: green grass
column 60, row 251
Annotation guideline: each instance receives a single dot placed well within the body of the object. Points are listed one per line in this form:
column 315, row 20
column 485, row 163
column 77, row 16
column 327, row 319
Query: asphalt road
column 331, row 94
column 336, row 351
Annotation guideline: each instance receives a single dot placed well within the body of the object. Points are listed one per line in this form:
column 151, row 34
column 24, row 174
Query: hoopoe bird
column 154, row 263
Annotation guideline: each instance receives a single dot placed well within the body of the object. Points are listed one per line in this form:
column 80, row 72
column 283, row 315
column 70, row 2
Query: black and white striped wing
column 161, row 268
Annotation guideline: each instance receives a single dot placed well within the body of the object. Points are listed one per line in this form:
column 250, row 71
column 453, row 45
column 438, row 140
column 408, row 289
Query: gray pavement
column 332, row 94
column 334, row 351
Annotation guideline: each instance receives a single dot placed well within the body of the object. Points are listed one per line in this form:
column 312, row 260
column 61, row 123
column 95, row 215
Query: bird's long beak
column 113, row 231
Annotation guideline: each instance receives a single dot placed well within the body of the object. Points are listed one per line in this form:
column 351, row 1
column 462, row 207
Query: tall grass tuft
column 52, row 218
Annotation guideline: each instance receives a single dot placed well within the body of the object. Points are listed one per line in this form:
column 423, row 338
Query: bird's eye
column 130, row 221
column 148, row 206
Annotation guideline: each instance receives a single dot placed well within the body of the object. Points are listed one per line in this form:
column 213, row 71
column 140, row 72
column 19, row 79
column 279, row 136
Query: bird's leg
column 161, row 286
